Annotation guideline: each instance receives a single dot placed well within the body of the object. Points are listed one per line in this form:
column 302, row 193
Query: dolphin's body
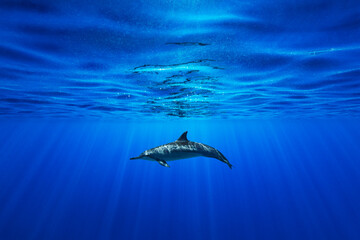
column 181, row 149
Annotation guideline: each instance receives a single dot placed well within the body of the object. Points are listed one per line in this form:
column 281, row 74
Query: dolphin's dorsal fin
column 183, row 138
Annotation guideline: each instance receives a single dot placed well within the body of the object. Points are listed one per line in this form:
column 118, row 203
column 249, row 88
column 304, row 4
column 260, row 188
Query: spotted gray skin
column 181, row 149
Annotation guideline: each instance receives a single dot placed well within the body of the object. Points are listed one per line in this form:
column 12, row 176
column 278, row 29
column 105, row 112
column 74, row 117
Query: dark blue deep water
column 85, row 85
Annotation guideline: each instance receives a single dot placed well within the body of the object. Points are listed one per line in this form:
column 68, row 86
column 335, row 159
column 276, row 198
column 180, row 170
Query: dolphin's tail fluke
column 224, row 159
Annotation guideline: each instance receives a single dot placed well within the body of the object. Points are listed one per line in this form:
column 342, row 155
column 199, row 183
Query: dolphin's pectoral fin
column 162, row 162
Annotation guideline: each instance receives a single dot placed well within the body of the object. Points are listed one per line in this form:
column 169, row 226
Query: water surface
column 188, row 59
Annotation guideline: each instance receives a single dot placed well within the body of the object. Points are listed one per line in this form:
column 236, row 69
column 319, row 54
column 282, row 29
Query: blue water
column 74, row 180
column 273, row 85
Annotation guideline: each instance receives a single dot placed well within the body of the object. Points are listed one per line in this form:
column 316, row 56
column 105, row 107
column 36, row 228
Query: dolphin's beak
column 134, row 158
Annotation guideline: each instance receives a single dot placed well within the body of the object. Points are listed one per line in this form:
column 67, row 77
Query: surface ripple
column 204, row 60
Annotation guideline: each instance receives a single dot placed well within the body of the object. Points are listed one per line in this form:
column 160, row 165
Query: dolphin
column 181, row 149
